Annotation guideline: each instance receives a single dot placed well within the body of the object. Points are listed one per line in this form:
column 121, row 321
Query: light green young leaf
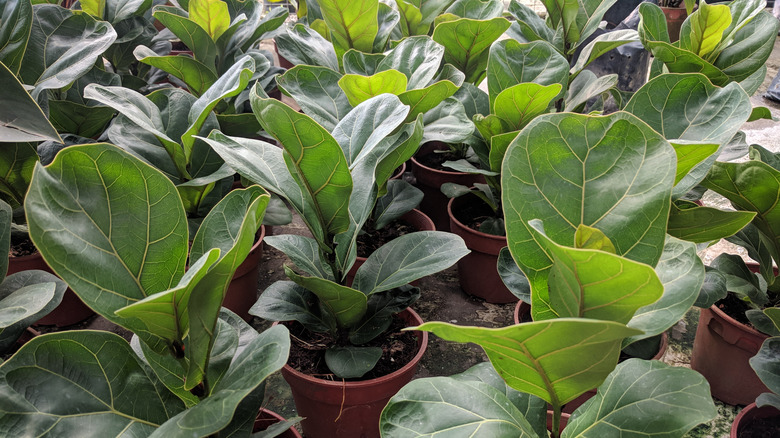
column 198, row 76
column 211, row 15
column 555, row 360
column 359, row 88
column 353, row 25
column 511, row 63
column 703, row 30
column 519, row 104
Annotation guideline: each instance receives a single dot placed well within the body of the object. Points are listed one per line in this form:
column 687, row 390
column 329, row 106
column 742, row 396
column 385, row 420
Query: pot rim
column 735, row 323
column 423, row 346
column 427, row 149
column 749, row 409
column 468, row 229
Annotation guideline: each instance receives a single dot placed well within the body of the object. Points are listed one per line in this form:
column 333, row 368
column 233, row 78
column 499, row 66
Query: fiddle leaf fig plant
column 362, row 152
column 219, row 33
column 749, row 186
column 726, row 42
column 767, row 365
column 162, row 129
column 189, row 366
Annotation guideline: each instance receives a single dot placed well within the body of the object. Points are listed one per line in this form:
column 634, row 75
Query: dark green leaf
column 379, row 313
column 513, row 63
column 316, row 90
column 286, row 301
column 190, row 33
column 15, row 32
column 302, row 45
column 352, row 362
column 466, row 43
column 706, row 224
column 712, row 290
column 767, row 366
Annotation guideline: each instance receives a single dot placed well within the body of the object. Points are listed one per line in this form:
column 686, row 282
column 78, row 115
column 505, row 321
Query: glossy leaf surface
column 21, row 119
column 511, row 63
column 466, row 43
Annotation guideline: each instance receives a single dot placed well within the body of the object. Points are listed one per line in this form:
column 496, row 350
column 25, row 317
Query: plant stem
column 556, row 421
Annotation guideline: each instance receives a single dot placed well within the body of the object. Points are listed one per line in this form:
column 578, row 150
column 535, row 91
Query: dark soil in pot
column 371, row 241
column 473, row 213
column 21, row 248
column 735, row 308
column 435, row 160
column 307, row 350
column 761, row 428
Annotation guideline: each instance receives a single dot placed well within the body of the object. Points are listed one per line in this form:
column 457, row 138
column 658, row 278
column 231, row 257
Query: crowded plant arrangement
column 150, row 148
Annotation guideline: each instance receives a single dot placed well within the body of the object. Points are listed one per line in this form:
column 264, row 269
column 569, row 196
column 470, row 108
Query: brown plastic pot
column 429, row 180
column 266, row 419
column 349, row 409
column 749, row 414
column 415, row 218
column 522, row 309
column 70, row 311
column 242, row 291
column 675, row 17
column 721, row 351
column 564, row 420
column 477, row 271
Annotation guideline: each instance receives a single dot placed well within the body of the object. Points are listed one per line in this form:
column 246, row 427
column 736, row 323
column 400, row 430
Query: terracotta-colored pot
column 675, row 17
column 417, row 219
column 266, row 419
column 750, row 413
column 283, row 62
column 349, row 409
column 429, row 180
column 477, row 271
column 242, row 291
column 522, row 309
column 70, row 311
column 564, row 419
column 721, row 351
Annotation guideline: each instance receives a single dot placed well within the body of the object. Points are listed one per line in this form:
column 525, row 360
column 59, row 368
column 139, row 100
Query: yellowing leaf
column 211, row 15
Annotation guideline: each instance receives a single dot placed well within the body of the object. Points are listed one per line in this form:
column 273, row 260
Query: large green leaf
column 751, row 186
column 612, row 173
column 211, row 15
column 352, row 24
column 316, row 90
column 706, row 224
column 767, row 367
column 652, row 24
column 352, row 362
column 476, row 9
column 681, row 272
column 96, row 205
column 190, row 33
column 263, row 163
column 86, row 121
column 447, row 123
column 310, row 149
column 302, row 45
column 555, row 360
column 63, row 45
column 100, row 387
column 25, row 297
column 198, row 76
column 419, row 58
column 264, row 355
column 511, row 63
column 287, row 301
column 750, row 49
column 345, row 304
column 17, row 161
column 690, row 107
column 586, row 86
column 644, row 398
column 590, row 283
column 425, row 99
column 407, row 258
column 21, row 119
column 303, row 251
column 466, row 43
column 459, row 409
column 230, row 226
column 15, row 32
column 679, row 60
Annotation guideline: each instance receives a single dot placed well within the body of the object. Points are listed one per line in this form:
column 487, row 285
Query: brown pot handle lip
column 731, row 337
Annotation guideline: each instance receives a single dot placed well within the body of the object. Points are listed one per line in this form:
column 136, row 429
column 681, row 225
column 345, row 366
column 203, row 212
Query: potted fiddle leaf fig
column 198, row 370
column 726, row 42
column 763, row 415
column 746, row 289
column 349, row 322
column 625, row 285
